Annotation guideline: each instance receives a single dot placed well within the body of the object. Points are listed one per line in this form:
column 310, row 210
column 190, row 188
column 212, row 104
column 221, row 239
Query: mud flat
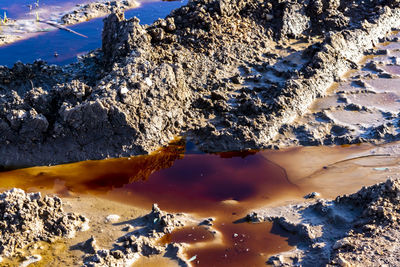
column 204, row 233
column 224, row 74
column 108, row 239
column 361, row 107
column 26, row 25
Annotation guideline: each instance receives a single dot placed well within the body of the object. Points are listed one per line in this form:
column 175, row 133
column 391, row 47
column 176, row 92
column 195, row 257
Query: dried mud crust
column 220, row 72
column 26, row 218
column 360, row 228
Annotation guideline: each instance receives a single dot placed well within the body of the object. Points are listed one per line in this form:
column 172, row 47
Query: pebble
column 112, row 218
column 148, row 81
column 312, row 195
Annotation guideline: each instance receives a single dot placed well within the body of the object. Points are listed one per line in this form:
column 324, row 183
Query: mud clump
column 223, row 73
column 359, row 227
column 142, row 241
column 29, row 217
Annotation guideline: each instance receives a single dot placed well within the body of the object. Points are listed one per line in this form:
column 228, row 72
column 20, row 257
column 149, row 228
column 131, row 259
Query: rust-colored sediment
column 220, row 186
column 224, row 186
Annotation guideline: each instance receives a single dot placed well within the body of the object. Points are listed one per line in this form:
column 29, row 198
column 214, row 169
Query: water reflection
column 222, row 186
column 68, row 46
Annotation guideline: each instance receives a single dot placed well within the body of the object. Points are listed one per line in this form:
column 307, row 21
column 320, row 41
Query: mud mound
column 142, row 241
column 27, row 218
column 227, row 74
column 362, row 226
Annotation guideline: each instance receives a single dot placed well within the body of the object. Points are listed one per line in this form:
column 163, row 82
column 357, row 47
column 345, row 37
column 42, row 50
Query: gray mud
column 362, row 107
column 228, row 75
column 28, row 218
column 359, row 228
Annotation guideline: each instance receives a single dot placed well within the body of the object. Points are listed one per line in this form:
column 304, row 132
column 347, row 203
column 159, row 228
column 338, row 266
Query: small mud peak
column 380, row 203
column 29, row 217
column 121, row 38
column 142, row 241
column 344, row 230
column 162, row 221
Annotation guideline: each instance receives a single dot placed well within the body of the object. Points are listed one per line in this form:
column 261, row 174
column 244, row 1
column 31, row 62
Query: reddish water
column 188, row 235
column 245, row 244
column 221, row 186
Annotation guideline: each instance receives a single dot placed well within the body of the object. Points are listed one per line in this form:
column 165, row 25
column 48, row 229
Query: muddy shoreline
column 228, row 76
column 151, row 83
column 127, row 230
column 359, row 227
column 27, row 25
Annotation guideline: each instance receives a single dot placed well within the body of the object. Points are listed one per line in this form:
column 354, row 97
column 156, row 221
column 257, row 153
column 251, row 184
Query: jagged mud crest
column 27, row 218
column 359, row 227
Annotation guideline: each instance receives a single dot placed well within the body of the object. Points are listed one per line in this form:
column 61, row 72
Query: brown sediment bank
column 227, row 75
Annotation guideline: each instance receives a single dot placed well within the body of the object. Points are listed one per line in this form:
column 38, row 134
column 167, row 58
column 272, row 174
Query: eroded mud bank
column 362, row 106
column 225, row 74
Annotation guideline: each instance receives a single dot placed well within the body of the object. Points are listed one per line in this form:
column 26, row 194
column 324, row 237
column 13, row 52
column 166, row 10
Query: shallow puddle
column 223, row 186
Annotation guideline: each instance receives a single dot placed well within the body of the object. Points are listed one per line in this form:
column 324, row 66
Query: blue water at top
column 19, row 8
column 67, row 45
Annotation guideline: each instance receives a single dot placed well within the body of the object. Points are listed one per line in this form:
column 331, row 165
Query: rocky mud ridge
column 28, row 217
column 361, row 227
column 226, row 74
column 97, row 9
column 362, row 107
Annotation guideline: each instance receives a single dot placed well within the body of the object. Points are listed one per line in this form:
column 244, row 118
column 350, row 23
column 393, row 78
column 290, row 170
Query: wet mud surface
column 209, row 186
column 362, row 107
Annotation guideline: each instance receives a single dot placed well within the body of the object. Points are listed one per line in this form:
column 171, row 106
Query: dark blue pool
column 67, row 45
